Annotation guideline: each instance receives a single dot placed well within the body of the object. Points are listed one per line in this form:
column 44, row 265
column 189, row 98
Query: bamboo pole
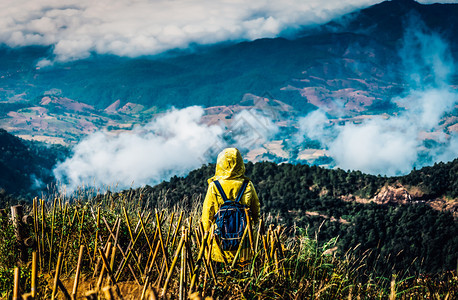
column 175, row 258
column 164, row 252
column 208, row 262
column 201, row 229
column 17, row 214
column 109, row 271
column 198, row 263
column 36, row 224
column 128, row 223
column 161, row 274
column 148, row 270
column 77, row 274
column 176, row 230
column 34, row 275
column 56, row 276
column 64, row 214
column 81, row 229
column 279, row 250
column 218, row 244
column 154, row 258
column 129, row 250
column 51, row 243
column 198, row 237
column 16, row 288
column 127, row 256
column 102, row 272
column 258, row 237
column 145, row 233
column 125, row 261
column 115, row 243
column 189, row 259
column 119, row 247
column 43, row 226
column 237, row 254
column 183, row 268
column 250, row 233
column 189, row 222
column 97, row 232
column 266, row 252
column 170, row 228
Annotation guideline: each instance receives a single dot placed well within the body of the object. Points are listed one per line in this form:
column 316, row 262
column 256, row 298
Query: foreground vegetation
column 126, row 254
column 411, row 237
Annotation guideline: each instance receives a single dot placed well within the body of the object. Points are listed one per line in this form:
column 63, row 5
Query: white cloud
column 315, row 126
column 393, row 146
column 172, row 144
column 142, row 27
column 378, row 146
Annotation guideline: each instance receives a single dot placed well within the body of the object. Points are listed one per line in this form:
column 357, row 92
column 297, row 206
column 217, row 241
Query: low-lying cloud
column 129, row 28
column 172, row 144
column 393, row 145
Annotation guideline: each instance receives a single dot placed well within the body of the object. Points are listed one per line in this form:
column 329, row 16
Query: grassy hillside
column 410, row 236
column 136, row 244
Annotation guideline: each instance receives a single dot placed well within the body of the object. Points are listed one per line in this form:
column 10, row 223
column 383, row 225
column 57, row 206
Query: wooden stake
column 164, row 252
column 97, row 231
column 237, row 254
column 109, row 271
column 175, row 259
column 183, row 269
column 34, row 275
column 176, row 230
column 261, row 224
column 250, row 233
column 19, row 230
column 102, row 273
column 56, row 276
column 198, row 263
column 78, row 271
column 16, row 288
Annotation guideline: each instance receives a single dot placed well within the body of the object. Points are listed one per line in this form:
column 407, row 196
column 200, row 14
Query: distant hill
column 360, row 45
column 387, row 20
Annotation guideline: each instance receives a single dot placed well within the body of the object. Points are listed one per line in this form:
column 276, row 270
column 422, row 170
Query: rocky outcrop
column 392, row 194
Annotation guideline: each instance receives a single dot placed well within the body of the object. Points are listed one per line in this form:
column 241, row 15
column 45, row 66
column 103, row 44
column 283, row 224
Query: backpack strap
column 240, row 194
column 242, row 190
column 220, row 189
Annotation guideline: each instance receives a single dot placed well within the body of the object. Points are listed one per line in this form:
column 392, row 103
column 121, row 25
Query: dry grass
column 134, row 245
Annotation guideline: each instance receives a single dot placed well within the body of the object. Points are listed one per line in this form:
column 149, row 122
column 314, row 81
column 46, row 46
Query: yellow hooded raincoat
column 230, row 172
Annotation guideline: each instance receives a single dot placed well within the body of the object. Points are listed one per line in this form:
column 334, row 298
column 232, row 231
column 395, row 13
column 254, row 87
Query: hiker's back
column 230, row 173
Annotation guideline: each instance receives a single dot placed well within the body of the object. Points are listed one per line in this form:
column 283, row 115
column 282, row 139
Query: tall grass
column 126, row 245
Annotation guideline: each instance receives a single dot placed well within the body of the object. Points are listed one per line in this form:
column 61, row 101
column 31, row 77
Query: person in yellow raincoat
column 230, row 172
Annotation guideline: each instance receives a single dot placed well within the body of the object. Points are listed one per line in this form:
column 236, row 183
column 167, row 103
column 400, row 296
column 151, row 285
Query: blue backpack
column 230, row 219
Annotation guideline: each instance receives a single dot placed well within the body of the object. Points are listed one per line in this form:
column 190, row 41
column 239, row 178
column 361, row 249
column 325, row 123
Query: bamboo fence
column 164, row 256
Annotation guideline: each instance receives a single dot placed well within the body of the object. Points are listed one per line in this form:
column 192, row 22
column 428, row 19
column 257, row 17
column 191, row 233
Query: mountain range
column 351, row 68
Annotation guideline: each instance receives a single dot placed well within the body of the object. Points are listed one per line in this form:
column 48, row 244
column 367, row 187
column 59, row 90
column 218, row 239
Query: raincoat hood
column 229, row 165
